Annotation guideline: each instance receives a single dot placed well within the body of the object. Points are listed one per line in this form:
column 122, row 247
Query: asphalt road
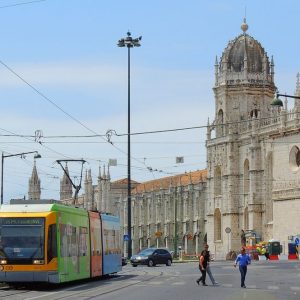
column 266, row 280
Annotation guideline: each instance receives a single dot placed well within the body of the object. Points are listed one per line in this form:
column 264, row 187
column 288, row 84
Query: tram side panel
column 96, row 244
column 112, row 258
column 56, row 243
column 73, row 244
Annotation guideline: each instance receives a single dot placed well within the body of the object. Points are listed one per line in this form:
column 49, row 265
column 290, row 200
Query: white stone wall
column 286, row 191
column 286, row 220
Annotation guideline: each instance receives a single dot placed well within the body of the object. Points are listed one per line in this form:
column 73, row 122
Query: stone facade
column 153, row 208
column 253, row 157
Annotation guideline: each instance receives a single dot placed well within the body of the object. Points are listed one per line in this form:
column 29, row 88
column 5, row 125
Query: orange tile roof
column 124, row 181
column 165, row 182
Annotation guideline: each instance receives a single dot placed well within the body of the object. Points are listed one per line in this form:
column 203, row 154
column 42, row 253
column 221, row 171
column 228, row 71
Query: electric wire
column 22, row 3
column 65, row 112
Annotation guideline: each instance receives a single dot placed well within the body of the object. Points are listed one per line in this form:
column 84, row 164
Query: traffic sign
column 126, row 237
column 227, row 230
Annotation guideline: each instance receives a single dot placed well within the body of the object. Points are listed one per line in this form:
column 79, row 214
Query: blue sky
column 67, row 50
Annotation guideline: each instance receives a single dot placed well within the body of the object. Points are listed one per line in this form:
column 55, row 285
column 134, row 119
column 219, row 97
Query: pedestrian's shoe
column 197, row 281
column 204, row 284
column 243, row 286
column 216, row 283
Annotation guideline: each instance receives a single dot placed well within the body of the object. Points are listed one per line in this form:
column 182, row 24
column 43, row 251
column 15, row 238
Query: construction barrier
column 280, row 257
column 274, row 257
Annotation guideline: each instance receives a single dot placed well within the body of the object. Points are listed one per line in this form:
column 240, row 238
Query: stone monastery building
column 252, row 180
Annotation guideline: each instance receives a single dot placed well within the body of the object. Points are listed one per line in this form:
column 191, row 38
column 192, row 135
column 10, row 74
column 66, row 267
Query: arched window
column 217, row 225
column 294, row 159
column 254, row 113
column 246, row 177
column 220, row 122
column 218, row 181
column 246, row 218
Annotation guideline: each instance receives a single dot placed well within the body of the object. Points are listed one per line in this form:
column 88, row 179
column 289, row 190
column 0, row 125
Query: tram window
column 52, row 243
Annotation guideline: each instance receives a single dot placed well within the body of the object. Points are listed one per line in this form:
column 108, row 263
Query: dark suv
column 152, row 257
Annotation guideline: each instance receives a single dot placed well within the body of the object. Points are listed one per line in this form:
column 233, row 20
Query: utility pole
column 76, row 187
column 129, row 42
column 175, row 223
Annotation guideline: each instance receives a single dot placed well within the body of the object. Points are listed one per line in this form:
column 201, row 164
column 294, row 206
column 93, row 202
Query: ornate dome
column 245, row 52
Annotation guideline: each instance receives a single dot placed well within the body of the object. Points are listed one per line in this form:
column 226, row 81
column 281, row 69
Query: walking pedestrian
column 203, row 260
column 208, row 269
column 244, row 260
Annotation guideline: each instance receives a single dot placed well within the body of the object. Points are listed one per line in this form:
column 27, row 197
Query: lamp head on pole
column 129, row 42
column 37, row 155
column 276, row 101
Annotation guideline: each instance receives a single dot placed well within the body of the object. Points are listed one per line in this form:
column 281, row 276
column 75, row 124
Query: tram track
column 87, row 291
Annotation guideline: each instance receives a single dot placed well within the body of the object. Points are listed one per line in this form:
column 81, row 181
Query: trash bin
column 275, row 248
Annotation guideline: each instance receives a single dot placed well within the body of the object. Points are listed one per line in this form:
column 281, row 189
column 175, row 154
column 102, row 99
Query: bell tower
column 244, row 88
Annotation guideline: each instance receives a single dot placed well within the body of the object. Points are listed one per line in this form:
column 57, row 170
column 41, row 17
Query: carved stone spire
column 65, row 185
column 297, row 92
column 34, row 192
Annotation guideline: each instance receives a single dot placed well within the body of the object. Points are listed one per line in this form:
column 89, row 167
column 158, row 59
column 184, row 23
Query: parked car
column 152, row 257
column 124, row 261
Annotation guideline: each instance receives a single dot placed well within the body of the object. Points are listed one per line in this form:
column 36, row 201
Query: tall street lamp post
column 37, row 155
column 175, row 223
column 129, row 42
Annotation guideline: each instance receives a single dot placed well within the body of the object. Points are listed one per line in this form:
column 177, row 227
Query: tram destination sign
column 21, row 221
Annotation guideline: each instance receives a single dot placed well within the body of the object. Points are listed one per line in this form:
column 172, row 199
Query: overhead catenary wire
column 22, row 3
column 65, row 112
column 113, row 132
column 109, row 133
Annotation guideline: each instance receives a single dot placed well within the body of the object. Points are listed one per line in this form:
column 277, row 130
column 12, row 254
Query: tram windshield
column 22, row 238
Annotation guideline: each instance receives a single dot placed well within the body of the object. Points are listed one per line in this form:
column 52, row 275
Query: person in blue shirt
column 244, row 260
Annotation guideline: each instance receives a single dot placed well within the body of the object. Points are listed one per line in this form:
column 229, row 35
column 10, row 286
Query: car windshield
column 146, row 252
column 22, row 238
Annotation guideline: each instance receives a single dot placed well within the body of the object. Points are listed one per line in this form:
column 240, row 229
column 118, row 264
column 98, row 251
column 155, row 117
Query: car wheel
column 169, row 262
column 134, row 266
column 150, row 263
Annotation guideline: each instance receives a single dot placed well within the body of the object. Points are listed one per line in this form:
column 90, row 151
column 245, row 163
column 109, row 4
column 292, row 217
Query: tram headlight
column 3, row 262
column 38, row 262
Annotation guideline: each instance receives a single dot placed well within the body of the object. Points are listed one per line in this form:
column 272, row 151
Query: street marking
column 178, row 283
column 295, row 288
column 273, row 287
column 227, row 285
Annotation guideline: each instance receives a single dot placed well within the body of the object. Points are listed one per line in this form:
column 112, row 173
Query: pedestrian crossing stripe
column 227, row 285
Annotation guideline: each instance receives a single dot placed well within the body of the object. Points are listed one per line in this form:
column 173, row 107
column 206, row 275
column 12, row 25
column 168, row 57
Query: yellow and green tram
column 55, row 243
